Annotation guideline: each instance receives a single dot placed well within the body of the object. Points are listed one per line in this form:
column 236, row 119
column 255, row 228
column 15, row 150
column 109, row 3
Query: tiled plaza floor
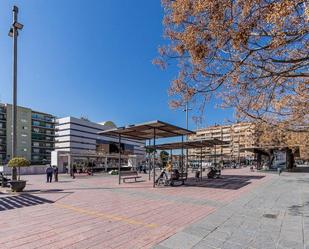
column 96, row 212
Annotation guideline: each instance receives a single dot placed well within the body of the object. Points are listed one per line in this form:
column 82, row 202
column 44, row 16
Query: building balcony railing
column 44, row 120
column 43, row 127
column 44, row 134
column 38, row 153
column 43, row 140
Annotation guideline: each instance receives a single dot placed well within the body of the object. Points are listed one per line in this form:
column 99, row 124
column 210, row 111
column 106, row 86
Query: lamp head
column 18, row 25
column 11, row 32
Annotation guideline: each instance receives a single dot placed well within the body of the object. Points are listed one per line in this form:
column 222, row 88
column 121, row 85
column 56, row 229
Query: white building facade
column 79, row 137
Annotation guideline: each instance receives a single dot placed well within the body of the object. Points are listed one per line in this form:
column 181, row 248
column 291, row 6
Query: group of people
column 50, row 171
column 168, row 175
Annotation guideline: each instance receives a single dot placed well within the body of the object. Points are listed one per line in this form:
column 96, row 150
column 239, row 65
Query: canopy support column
column 182, row 160
column 149, row 163
column 215, row 155
column 187, row 162
column 201, row 164
column 119, row 164
column 154, row 157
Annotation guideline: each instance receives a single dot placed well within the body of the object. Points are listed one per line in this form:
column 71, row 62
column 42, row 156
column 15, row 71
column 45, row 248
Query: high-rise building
column 35, row 134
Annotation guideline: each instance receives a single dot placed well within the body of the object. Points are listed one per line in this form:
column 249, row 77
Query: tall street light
column 14, row 33
column 187, row 109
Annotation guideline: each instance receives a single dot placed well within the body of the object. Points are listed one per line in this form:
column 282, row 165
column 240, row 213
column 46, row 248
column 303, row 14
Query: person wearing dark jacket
column 49, row 173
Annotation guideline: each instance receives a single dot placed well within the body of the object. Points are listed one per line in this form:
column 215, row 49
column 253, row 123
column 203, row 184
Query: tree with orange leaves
column 253, row 54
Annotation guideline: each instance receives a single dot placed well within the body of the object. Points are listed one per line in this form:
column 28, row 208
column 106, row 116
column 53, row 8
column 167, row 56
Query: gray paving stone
column 198, row 231
column 181, row 240
column 211, row 242
column 161, row 247
column 242, row 223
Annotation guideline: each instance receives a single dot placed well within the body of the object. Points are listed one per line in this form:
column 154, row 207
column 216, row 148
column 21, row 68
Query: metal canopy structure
column 145, row 131
column 189, row 144
column 194, row 144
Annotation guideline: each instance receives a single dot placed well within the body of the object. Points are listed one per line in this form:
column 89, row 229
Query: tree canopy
column 252, row 54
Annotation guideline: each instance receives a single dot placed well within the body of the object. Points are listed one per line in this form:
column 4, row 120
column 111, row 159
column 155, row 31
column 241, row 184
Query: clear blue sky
column 91, row 58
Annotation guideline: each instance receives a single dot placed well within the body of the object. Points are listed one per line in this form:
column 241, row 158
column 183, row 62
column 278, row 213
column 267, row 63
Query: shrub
column 18, row 162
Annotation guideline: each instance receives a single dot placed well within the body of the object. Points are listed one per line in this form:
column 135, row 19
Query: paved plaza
column 242, row 210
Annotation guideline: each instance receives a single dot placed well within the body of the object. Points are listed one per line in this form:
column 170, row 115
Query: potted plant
column 18, row 185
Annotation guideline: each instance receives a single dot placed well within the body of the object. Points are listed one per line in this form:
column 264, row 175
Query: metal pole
column 119, row 164
column 187, row 127
column 215, row 155
column 201, row 163
column 154, row 157
column 14, row 111
column 182, row 159
column 149, row 159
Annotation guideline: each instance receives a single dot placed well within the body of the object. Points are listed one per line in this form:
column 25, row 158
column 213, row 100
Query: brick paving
column 95, row 212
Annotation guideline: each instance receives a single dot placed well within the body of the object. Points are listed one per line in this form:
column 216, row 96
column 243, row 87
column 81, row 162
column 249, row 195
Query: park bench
column 181, row 178
column 124, row 175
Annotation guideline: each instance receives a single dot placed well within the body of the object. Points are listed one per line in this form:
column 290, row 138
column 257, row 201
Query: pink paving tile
column 87, row 208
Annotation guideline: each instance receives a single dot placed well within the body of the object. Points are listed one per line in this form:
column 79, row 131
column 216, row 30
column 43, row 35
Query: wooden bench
column 129, row 175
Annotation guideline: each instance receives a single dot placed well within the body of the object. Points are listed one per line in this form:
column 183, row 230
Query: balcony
column 43, row 140
column 47, row 120
column 43, row 134
column 43, row 127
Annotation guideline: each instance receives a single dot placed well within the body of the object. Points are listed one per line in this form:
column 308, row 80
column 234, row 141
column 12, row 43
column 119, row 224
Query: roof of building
column 189, row 144
column 148, row 130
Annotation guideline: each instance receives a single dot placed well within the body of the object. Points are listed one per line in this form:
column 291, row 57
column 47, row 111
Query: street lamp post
column 187, row 109
column 14, row 33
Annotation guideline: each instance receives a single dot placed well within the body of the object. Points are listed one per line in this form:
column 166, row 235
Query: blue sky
column 93, row 59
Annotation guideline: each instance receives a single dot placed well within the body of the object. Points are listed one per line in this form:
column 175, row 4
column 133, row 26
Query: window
column 25, row 128
column 24, row 135
column 36, row 150
column 36, row 123
column 23, row 120
column 36, row 144
column 25, row 149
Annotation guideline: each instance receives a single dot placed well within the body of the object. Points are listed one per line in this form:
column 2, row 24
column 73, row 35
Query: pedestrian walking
column 279, row 171
column 49, row 173
column 74, row 170
column 56, row 173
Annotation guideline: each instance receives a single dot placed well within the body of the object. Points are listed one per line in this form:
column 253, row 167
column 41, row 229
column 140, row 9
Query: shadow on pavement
column 20, row 201
column 300, row 210
column 232, row 182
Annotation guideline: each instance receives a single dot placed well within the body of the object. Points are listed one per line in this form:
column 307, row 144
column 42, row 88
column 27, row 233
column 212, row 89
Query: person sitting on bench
column 4, row 179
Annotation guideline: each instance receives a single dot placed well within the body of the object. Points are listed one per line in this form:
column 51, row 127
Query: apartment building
column 238, row 136
column 35, row 134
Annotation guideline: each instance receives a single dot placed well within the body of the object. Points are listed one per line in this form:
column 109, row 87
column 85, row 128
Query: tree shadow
column 20, row 201
column 233, row 182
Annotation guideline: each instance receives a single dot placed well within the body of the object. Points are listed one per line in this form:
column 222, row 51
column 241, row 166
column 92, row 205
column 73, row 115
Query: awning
column 149, row 130
column 188, row 144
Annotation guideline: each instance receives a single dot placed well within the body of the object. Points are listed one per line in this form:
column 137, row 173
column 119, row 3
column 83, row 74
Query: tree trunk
column 14, row 173
column 18, row 173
